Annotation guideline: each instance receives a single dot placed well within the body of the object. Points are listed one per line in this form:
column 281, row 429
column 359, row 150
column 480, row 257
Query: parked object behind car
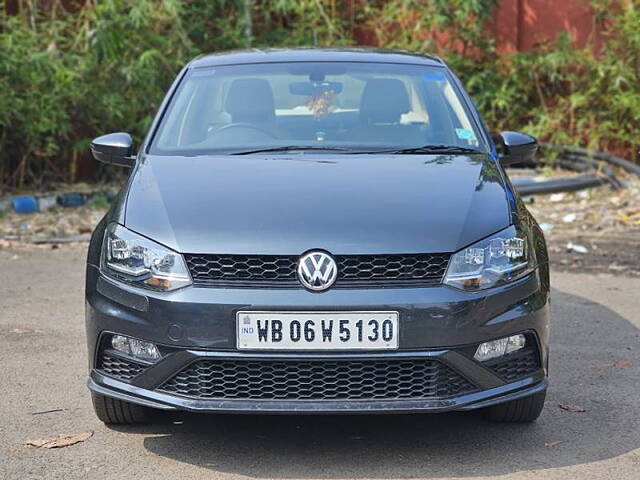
column 317, row 231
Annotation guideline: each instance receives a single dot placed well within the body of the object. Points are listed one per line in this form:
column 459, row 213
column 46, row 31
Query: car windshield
column 341, row 107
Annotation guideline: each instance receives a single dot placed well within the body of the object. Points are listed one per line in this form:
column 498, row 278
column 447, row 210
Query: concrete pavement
column 596, row 323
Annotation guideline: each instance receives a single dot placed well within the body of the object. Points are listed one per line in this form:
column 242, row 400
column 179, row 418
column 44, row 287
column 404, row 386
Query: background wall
column 521, row 25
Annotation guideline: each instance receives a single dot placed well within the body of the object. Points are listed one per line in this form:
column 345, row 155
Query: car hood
column 345, row 204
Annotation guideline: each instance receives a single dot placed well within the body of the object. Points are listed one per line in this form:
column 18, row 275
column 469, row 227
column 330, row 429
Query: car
column 317, row 231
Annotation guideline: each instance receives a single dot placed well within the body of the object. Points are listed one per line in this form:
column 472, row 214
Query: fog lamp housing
column 135, row 348
column 498, row 348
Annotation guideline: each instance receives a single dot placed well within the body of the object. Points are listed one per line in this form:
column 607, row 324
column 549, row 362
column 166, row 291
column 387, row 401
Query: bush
column 70, row 75
column 74, row 75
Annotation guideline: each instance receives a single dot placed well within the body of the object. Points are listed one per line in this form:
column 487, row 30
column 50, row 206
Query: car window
column 358, row 106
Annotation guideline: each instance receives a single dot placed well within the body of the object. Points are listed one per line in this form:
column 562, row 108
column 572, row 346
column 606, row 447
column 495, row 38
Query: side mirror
column 518, row 148
column 114, row 149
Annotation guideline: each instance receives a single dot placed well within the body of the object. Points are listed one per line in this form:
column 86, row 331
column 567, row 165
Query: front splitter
column 110, row 387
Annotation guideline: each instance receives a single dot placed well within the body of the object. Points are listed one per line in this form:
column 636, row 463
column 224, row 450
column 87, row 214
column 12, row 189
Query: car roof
column 272, row 55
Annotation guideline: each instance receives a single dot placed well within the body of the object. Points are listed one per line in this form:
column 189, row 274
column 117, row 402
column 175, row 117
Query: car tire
column 112, row 411
column 522, row 410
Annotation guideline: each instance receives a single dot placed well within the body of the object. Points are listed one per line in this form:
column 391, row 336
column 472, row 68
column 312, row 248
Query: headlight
column 134, row 259
column 493, row 261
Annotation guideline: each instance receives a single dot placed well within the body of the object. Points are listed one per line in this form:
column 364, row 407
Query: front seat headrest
column 383, row 100
column 250, row 100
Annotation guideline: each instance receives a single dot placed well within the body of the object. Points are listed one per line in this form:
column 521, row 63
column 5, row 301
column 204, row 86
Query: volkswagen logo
column 317, row 271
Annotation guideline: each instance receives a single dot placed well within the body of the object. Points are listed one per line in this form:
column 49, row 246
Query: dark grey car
column 317, row 231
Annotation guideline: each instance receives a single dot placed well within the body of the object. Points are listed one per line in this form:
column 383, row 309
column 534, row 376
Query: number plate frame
column 246, row 340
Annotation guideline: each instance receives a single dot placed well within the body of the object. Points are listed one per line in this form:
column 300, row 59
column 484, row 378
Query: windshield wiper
column 288, row 148
column 427, row 149
column 398, row 151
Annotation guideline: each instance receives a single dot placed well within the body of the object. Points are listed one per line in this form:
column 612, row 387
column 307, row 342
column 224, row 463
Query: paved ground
column 596, row 323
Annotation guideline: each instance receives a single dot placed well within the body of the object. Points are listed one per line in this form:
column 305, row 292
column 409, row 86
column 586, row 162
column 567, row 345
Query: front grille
column 119, row 367
column 516, row 365
column 207, row 269
column 353, row 270
column 342, row 379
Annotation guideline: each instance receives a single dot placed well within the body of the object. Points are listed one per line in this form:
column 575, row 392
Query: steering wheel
column 230, row 126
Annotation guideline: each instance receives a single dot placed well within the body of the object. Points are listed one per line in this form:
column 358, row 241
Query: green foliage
column 70, row 75
column 444, row 27
column 100, row 201
column 74, row 75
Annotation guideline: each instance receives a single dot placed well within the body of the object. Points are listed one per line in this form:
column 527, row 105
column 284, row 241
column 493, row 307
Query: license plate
column 317, row 330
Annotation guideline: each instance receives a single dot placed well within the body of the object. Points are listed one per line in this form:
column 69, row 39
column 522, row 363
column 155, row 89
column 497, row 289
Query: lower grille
column 317, row 380
column 516, row 365
column 119, row 367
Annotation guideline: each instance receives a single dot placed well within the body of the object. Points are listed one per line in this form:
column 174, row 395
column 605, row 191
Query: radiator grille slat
column 516, row 365
column 119, row 367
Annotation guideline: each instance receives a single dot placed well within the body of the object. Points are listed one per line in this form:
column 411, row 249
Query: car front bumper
column 437, row 324
column 111, row 387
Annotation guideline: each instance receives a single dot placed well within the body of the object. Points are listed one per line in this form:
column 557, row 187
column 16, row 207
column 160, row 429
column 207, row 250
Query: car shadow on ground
column 585, row 348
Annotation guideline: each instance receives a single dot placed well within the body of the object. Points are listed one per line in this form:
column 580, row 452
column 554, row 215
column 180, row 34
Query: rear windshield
column 355, row 106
